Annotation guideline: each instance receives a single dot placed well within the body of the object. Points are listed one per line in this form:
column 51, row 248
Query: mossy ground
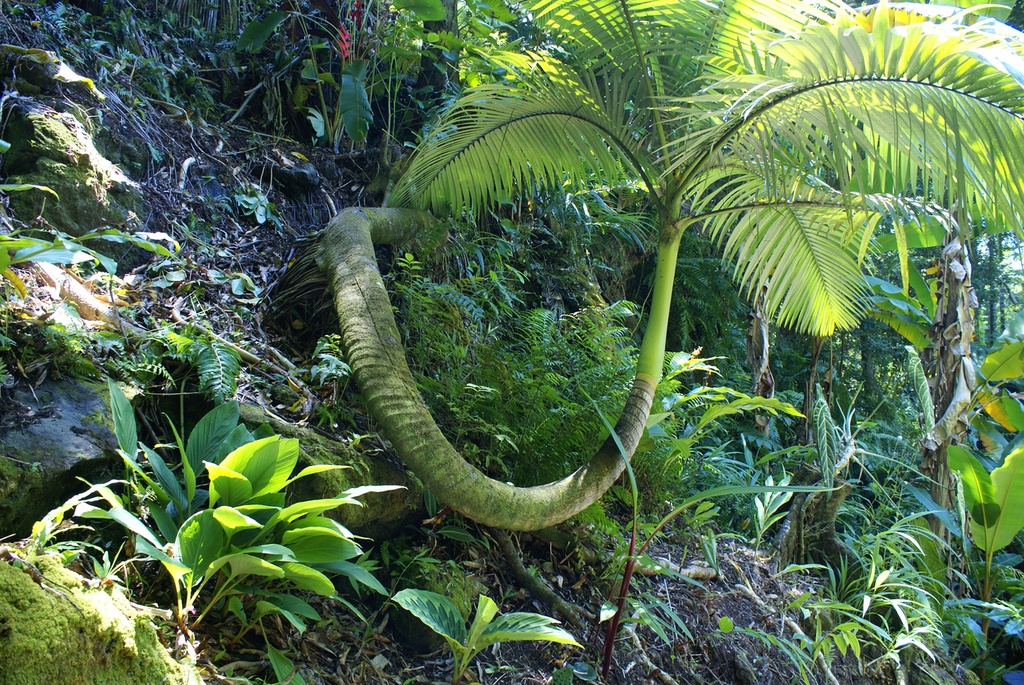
column 71, row 634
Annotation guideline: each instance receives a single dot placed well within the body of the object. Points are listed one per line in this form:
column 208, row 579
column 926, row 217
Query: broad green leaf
column 978, row 491
column 168, row 481
column 201, row 541
column 354, row 105
column 132, row 523
column 238, row 437
column 174, row 567
column 256, row 461
column 240, row 564
column 257, row 32
column 524, row 626
column 289, row 606
column 1004, row 362
column 1008, row 483
column 308, row 578
column 1004, row 409
column 356, row 573
column 4, row 146
column 233, row 520
column 283, row 667
column 437, row 612
column 425, row 10
column 319, row 545
column 304, row 508
column 486, row 610
column 124, row 421
column 210, row 433
column 932, row 507
column 228, row 486
column 316, row 468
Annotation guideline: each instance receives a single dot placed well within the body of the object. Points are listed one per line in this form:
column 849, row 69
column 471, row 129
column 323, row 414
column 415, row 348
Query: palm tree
column 792, row 131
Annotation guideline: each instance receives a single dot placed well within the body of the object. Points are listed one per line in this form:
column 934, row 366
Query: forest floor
column 200, row 167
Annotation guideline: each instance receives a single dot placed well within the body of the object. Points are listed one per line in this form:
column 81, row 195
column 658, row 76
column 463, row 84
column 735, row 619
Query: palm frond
column 800, row 239
column 930, row 106
column 497, row 140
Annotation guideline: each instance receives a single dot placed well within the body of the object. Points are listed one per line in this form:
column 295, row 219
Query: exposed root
column 537, row 587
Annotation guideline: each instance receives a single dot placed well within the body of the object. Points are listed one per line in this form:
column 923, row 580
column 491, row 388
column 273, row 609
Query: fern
column 218, row 366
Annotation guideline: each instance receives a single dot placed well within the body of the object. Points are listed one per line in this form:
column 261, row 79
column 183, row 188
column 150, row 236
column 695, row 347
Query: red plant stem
column 613, row 624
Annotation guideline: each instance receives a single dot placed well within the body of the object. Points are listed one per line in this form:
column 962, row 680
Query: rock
column 75, row 635
column 46, row 440
column 296, row 178
column 53, row 149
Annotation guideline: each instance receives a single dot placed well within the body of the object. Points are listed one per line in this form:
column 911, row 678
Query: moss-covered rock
column 53, row 149
column 382, row 513
column 75, row 635
column 60, row 431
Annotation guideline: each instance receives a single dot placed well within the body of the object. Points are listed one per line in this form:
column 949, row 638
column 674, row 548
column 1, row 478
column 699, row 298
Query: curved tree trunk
column 379, row 367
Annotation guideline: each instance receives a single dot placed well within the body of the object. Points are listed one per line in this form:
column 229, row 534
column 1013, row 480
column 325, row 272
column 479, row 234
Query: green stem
column 652, row 349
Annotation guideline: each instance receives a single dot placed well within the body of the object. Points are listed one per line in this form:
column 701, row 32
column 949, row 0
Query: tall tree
column 788, row 129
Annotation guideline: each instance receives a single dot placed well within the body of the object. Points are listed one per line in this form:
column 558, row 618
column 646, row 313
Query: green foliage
column 767, row 506
column 237, row 533
column 995, row 501
column 441, row 616
column 826, row 438
column 252, row 201
column 510, row 385
column 20, row 247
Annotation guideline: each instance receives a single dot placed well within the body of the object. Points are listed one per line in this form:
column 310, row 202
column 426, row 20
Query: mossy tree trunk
column 379, row 367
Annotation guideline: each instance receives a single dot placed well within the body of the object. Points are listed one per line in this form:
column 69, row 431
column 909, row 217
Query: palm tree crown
column 789, row 136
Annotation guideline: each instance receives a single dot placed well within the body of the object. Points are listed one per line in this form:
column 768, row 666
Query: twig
column 693, row 572
column 245, row 103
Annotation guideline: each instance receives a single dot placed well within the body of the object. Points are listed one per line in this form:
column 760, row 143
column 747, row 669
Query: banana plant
column 994, row 502
column 441, row 616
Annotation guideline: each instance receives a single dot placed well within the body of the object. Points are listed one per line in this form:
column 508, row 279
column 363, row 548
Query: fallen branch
column 88, row 306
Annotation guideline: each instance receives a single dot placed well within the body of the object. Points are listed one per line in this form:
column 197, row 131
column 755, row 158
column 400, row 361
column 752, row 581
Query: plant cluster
column 221, row 521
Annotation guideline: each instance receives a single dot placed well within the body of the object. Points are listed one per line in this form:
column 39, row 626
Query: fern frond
column 218, row 366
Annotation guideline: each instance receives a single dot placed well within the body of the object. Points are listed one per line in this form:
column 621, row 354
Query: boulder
column 54, row 149
column 47, row 438
column 54, row 628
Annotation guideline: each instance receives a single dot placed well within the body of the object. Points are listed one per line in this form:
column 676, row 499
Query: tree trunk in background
column 949, row 368
column 805, row 435
column 762, row 381
column 437, row 72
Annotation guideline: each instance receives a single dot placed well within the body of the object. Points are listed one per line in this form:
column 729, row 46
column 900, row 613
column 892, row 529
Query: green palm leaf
column 498, row 140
